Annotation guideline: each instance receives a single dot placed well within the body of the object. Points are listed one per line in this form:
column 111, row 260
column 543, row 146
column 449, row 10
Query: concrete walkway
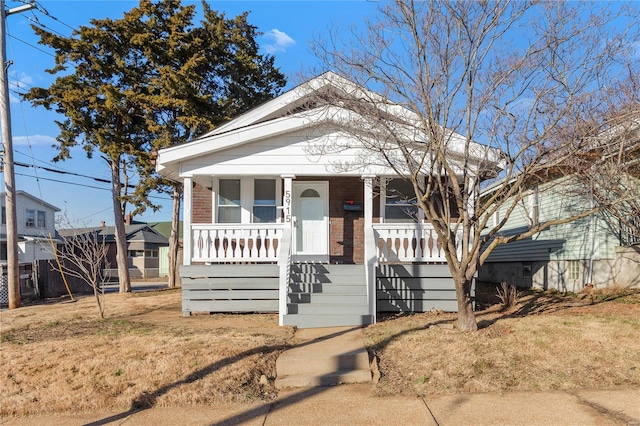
column 356, row 404
column 324, row 357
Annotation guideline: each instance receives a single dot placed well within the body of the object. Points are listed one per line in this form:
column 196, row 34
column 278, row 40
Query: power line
column 85, row 185
column 44, row 12
column 66, row 173
column 32, row 45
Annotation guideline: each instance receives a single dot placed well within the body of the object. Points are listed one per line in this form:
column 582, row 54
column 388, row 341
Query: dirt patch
column 171, row 316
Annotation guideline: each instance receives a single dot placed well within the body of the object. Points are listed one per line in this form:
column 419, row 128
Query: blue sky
column 288, row 27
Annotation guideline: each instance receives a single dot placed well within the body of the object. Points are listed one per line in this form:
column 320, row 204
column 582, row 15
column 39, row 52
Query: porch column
column 285, row 247
column 368, row 200
column 186, row 221
column 370, row 246
column 287, row 199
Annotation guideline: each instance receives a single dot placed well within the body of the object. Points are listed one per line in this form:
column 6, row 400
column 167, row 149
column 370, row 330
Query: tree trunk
column 466, row 315
column 174, row 279
column 120, row 235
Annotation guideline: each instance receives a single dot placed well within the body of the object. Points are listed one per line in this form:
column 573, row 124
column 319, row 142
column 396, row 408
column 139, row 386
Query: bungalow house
column 274, row 221
column 143, row 248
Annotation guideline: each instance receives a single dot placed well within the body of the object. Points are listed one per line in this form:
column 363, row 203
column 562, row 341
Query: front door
column 311, row 221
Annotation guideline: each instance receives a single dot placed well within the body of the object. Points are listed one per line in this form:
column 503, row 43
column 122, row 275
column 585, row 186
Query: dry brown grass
column 60, row 357
column 547, row 341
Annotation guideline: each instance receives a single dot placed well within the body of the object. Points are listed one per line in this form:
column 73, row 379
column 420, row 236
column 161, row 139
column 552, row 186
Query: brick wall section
column 202, row 205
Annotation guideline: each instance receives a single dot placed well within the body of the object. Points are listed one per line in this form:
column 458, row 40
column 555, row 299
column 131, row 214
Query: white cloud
column 277, row 41
column 35, row 140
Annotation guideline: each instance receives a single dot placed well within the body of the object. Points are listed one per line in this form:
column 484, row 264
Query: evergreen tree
column 149, row 80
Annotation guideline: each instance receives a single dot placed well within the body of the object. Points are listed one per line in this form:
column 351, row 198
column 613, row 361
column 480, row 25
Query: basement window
column 574, row 269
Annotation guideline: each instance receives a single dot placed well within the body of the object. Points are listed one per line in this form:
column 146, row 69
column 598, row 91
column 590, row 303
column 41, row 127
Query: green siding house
column 594, row 250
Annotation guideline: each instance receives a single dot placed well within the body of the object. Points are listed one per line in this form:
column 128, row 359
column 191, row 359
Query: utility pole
column 13, row 274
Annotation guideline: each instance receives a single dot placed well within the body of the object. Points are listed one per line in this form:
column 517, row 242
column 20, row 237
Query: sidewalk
column 356, row 405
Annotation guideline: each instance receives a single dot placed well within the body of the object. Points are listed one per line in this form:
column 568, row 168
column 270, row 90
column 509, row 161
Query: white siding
column 303, row 154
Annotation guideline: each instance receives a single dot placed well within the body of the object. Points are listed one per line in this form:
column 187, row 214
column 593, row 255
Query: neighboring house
column 143, row 248
column 36, row 228
column 36, row 224
column 594, row 250
column 270, row 224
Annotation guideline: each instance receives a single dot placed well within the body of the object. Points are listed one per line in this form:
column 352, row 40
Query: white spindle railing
column 255, row 242
column 414, row 242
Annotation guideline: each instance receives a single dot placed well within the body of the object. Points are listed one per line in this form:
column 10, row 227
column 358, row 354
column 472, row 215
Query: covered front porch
column 332, row 253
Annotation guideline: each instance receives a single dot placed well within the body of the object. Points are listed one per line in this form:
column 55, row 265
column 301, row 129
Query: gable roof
column 25, row 194
column 137, row 232
column 293, row 111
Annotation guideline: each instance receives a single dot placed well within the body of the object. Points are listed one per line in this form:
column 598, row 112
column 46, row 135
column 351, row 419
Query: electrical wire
column 86, row 186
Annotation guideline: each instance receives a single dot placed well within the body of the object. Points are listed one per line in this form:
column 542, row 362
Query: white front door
column 311, row 221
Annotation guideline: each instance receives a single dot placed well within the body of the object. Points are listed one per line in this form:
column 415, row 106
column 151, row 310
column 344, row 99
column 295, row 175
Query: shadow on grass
column 148, row 400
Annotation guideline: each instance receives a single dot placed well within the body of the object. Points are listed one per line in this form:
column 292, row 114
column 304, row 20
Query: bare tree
column 528, row 79
column 83, row 255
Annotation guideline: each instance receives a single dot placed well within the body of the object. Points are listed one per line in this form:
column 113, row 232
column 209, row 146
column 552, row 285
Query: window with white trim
column 400, row 201
column 229, row 210
column 35, row 219
column 574, row 269
column 42, row 219
column 264, row 201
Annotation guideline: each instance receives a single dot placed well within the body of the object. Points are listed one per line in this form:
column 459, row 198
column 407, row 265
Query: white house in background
column 36, row 223
column 272, row 225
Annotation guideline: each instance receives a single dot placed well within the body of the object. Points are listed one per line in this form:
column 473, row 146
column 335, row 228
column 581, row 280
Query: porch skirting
column 255, row 288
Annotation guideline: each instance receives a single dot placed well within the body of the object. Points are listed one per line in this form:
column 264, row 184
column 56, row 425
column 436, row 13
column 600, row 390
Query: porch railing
column 255, row 242
column 401, row 242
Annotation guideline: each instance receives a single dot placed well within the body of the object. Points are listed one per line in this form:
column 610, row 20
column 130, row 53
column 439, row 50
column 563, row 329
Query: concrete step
column 344, row 377
column 324, row 356
column 327, row 320
column 316, row 362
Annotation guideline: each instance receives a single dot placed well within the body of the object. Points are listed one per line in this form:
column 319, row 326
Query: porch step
column 328, row 308
column 326, row 320
column 322, row 295
column 330, row 356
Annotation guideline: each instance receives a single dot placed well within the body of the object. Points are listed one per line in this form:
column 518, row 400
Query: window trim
column 383, row 205
column 228, row 206
column 30, row 218
column 247, row 198
column 573, row 269
column 275, row 199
